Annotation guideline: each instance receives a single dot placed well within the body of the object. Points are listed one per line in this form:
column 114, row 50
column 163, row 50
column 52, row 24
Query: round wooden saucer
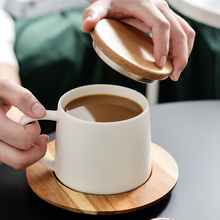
column 128, row 50
column 161, row 182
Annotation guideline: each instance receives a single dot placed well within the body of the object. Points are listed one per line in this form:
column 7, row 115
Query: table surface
column 204, row 11
column 189, row 131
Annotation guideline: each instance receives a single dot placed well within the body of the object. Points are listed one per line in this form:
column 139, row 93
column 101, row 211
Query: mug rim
column 61, row 105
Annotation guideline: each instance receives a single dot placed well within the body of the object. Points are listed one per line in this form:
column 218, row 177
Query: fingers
column 160, row 28
column 20, row 159
column 147, row 13
column 17, row 135
column 190, row 33
column 13, row 94
column 181, row 39
column 178, row 42
column 89, row 22
column 170, row 33
column 92, row 15
column 20, row 145
column 21, row 137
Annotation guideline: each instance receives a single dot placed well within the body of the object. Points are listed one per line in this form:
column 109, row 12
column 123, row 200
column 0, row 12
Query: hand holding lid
column 128, row 50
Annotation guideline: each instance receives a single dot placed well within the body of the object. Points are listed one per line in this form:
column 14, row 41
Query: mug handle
column 52, row 116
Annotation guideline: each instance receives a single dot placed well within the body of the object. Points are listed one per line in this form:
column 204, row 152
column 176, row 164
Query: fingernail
column 87, row 19
column 177, row 75
column 162, row 61
column 38, row 110
column 46, row 137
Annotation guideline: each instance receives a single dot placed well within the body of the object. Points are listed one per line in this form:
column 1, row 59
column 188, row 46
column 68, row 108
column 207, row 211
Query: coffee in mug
column 103, row 108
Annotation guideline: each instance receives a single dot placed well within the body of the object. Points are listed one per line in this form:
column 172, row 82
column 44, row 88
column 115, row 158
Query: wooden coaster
column 161, row 182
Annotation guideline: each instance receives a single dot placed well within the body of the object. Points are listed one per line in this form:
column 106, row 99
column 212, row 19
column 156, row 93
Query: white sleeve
column 7, row 39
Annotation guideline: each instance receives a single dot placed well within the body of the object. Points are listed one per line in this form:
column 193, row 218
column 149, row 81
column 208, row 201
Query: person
column 21, row 146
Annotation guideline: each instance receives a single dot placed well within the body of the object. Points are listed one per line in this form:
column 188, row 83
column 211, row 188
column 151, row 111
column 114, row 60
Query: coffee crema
column 103, row 108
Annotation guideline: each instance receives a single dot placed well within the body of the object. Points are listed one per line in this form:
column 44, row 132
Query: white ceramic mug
column 100, row 157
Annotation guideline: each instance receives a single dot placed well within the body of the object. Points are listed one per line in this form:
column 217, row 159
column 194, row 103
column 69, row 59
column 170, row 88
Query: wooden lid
column 128, row 50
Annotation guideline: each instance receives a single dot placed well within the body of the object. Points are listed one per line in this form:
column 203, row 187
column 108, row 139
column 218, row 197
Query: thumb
column 90, row 18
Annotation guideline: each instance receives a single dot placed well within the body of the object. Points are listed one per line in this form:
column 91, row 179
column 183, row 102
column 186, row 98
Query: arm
column 20, row 146
column 170, row 33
